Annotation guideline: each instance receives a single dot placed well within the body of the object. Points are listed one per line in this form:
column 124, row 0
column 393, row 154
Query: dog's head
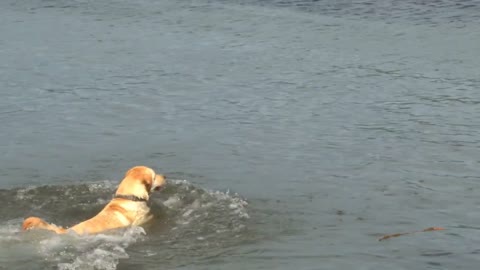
column 34, row 223
column 139, row 181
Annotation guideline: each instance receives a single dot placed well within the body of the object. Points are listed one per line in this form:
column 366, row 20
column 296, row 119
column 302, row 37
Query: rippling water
column 200, row 223
column 329, row 123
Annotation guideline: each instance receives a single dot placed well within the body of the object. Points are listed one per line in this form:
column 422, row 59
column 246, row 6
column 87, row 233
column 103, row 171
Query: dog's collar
column 129, row 197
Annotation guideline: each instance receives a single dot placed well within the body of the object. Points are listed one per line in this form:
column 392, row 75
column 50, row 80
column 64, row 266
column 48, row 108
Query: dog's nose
column 161, row 179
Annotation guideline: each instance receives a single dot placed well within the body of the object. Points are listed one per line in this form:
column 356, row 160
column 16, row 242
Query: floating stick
column 429, row 229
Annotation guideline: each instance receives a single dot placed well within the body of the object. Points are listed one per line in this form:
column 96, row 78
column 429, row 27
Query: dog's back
column 128, row 208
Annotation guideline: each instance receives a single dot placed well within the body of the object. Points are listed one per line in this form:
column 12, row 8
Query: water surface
column 304, row 130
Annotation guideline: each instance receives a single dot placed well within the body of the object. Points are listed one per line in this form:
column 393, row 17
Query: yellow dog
column 127, row 208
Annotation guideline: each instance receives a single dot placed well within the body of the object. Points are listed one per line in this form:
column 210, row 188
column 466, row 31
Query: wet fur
column 139, row 181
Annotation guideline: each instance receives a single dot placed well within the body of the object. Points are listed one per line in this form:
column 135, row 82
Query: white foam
column 22, row 193
column 102, row 251
column 198, row 214
column 9, row 230
column 187, row 213
column 235, row 202
column 106, row 184
column 208, row 199
column 69, row 251
column 203, row 213
column 173, row 202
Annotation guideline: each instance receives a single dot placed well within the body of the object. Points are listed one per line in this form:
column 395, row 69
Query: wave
column 187, row 218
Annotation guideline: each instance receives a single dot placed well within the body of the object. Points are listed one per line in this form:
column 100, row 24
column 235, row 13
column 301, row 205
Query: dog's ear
column 147, row 184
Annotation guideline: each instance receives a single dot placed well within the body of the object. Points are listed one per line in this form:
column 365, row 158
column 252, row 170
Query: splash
column 93, row 252
column 192, row 205
column 188, row 218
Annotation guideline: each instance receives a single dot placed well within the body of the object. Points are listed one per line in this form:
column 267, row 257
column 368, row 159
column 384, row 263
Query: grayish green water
column 303, row 131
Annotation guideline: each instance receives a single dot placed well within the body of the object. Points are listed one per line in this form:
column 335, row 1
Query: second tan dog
column 127, row 208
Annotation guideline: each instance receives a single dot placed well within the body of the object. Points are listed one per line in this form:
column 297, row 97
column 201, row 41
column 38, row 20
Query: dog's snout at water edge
column 162, row 182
